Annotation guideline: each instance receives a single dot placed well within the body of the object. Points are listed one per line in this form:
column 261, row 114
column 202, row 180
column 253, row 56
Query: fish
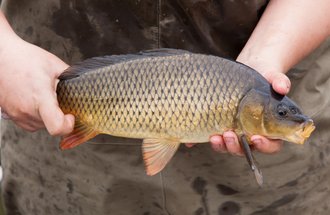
column 168, row 96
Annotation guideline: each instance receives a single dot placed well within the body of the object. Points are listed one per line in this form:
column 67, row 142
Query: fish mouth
column 304, row 131
column 308, row 128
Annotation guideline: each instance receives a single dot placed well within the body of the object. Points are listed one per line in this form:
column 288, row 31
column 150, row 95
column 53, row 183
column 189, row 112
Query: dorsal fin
column 94, row 63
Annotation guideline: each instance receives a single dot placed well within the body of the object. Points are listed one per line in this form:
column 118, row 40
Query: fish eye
column 282, row 110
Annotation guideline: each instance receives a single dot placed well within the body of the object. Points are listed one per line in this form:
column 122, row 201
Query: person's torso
column 102, row 27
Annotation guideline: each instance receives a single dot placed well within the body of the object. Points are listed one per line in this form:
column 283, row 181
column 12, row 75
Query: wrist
column 270, row 68
column 8, row 37
column 261, row 62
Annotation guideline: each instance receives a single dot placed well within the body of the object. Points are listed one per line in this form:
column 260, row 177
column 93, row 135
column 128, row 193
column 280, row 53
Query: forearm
column 287, row 32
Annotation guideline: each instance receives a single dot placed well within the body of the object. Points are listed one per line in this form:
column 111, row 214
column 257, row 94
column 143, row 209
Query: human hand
column 28, row 87
column 279, row 41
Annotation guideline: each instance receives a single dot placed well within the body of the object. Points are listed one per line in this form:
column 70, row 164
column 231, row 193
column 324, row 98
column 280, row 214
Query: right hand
column 28, row 87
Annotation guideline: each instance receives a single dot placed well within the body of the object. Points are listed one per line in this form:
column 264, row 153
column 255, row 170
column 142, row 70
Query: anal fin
column 80, row 134
column 157, row 153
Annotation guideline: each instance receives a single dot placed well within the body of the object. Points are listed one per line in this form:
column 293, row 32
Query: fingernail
column 288, row 83
column 189, row 145
column 229, row 140
column 284, row 85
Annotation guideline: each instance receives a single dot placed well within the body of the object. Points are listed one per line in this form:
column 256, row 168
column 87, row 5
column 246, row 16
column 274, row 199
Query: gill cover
column 273, row 116
column 250, row 112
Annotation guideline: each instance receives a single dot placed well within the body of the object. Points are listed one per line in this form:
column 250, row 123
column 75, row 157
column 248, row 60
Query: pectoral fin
column 80, row 134
column 157, row 153
column 251, row 160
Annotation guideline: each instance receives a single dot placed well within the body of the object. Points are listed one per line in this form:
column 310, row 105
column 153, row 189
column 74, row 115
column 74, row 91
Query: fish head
column 273, row 116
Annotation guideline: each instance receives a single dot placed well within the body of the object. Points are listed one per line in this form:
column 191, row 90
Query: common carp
column 167, row 97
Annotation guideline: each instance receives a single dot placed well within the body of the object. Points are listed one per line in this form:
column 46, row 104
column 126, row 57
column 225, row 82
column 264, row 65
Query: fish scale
column 168, row 97
column 152, row 96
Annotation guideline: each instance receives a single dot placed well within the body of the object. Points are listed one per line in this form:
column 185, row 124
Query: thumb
column 279, row 81
column 56, row 122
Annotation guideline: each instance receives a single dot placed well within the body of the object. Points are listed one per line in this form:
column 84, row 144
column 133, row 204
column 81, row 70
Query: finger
column 29, row 119
column 35, row 124
column 189, row 145
column 232, row 143
column 57, row 124
column 265, row 145
column 24, row 120
column 26, row 126
column 279, row 81
column 56, row 65
column 218, row 144
column 4, row 116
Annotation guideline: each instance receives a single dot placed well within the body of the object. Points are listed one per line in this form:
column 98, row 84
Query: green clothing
column 109, row 177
